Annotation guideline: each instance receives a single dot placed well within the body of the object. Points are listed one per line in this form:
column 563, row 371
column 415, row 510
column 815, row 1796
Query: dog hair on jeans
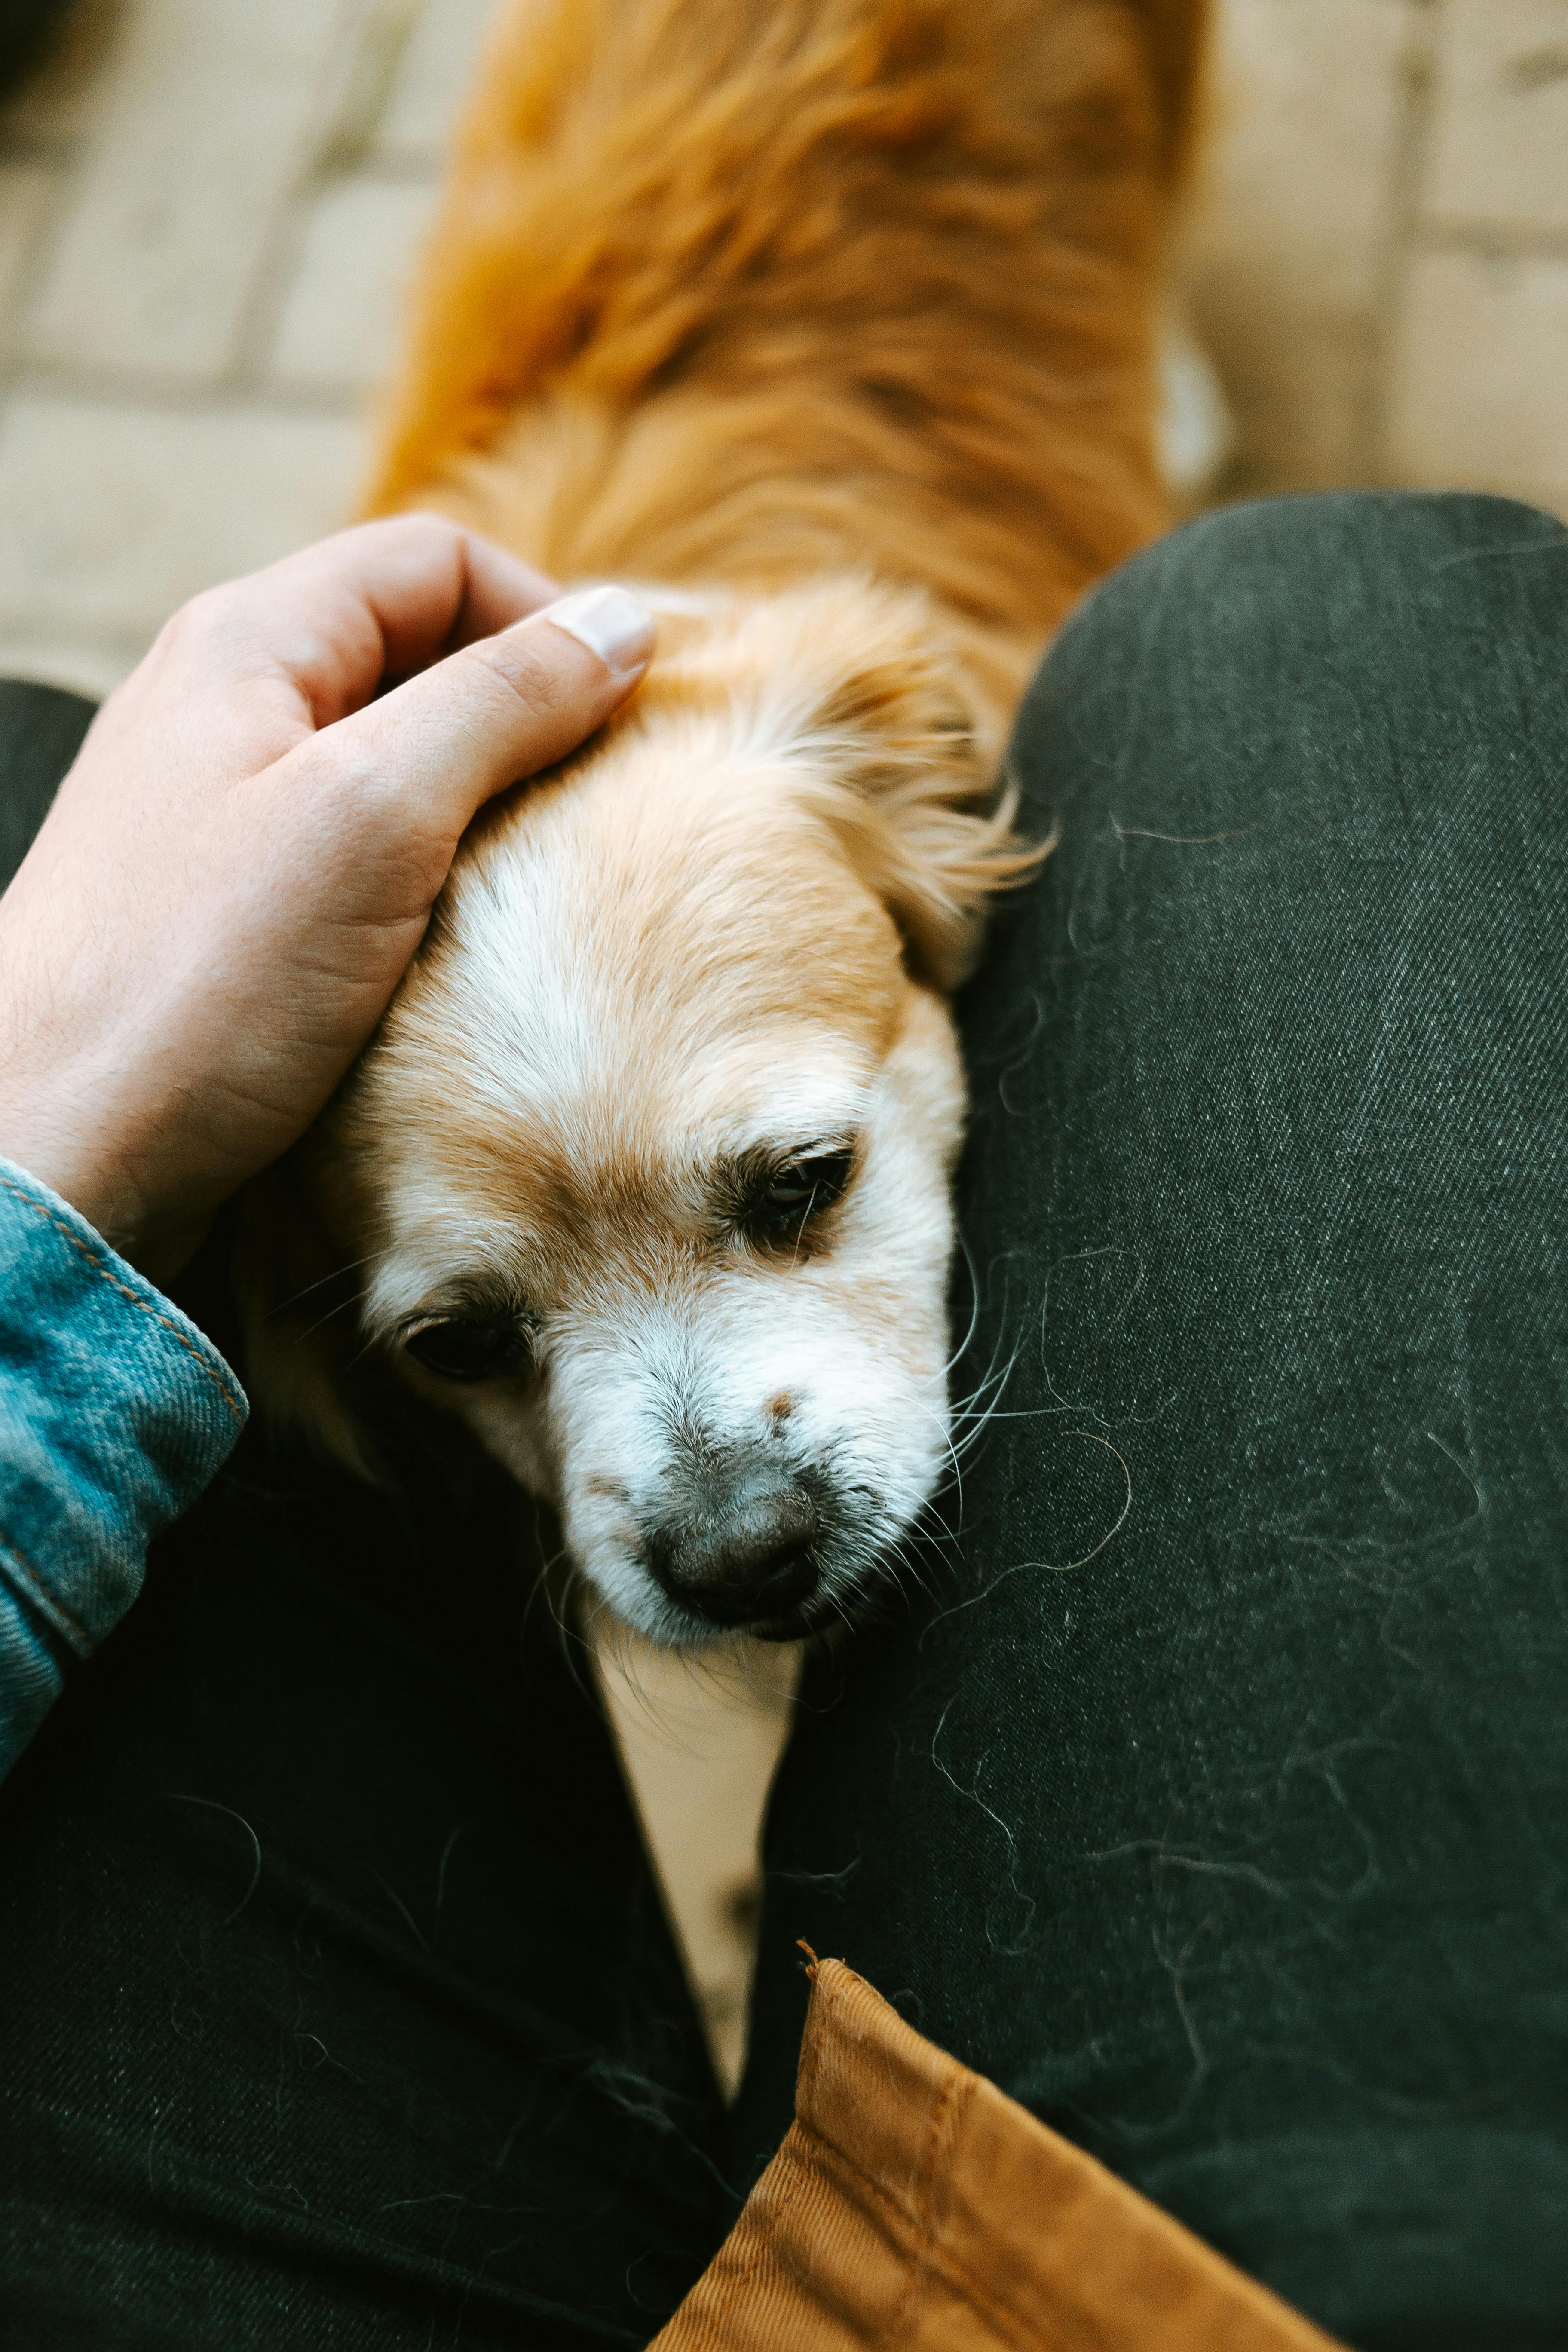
column 830, row 324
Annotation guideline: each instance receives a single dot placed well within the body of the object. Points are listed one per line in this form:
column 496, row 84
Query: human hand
column 241, row 863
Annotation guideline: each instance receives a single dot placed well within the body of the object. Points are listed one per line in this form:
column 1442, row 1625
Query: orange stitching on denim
column 921, row 2264
column 46, row 1599
column 39, row 1209
column 941, row 2261
column 884, row 2196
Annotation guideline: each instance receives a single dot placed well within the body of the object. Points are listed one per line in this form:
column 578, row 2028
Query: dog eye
column 793, row 1193
column 462, row 1351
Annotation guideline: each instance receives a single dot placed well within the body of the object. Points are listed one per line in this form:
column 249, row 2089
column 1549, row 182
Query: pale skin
column 243, row 859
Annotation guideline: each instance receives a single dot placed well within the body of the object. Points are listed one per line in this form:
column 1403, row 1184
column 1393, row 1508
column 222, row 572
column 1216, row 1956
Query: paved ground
column 206, row 213
column 207, row 210
column 207, row 207
column 1380, row 261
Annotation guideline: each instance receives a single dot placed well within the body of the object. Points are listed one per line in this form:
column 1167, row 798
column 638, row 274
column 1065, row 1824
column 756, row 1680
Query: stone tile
column 433, row 78
column 343, row 309
column 208, row 107
column 27, row 192
column 82, row 664
column 109, row 517
column 1479, row 392
column 1498, row 148
column 1284, row 256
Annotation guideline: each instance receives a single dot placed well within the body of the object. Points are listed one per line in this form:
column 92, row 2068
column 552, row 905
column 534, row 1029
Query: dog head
column 646, row 1173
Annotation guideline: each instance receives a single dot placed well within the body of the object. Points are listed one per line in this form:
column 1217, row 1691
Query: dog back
column 746, row 290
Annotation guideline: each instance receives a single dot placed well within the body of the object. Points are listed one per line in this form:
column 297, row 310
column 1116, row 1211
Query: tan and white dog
column 830, row 323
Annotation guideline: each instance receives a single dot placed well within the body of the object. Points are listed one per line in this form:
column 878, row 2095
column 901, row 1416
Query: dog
column 830, row 324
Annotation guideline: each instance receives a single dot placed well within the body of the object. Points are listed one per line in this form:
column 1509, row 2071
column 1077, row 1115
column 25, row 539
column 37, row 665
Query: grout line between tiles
column 1487, row 240
column 227, row 395
column 1424, row 39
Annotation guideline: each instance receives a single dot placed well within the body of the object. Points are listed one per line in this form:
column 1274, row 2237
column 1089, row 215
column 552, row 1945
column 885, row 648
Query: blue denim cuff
column 115, row 1411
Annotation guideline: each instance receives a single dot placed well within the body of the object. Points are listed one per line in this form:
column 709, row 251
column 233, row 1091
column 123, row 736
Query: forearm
column 226, row 891
column 115, row 1411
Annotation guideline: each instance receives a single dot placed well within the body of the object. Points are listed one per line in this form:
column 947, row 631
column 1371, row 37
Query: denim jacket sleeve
column 114, row 1414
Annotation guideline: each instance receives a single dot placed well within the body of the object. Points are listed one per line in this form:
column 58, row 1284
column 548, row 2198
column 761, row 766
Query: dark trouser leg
column 40, row 734
column 337, row 2006
column 336, row 2002
column 1218, row 1804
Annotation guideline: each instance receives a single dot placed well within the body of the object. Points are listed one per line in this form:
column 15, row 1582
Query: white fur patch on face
column 656, row 990
column 835, row 1366
column 826, row 1363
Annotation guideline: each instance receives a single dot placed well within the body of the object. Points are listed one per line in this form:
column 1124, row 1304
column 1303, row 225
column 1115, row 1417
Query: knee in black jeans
column 1205, row 1803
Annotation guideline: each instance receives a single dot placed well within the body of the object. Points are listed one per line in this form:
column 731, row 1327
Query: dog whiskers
column 336, row 1275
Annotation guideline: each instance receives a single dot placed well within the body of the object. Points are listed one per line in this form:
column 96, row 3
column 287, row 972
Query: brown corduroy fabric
column 913, row 2204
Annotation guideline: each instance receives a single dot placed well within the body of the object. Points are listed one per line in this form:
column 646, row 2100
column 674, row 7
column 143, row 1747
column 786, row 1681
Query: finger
column 424, row 586
column 429, row 755
column 385, row 597
column 502, row 591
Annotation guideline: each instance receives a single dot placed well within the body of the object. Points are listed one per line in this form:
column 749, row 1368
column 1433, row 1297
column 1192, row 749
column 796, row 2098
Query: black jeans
column 1210, row 1791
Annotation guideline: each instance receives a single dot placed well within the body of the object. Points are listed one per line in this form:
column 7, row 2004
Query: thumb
column 441, row 744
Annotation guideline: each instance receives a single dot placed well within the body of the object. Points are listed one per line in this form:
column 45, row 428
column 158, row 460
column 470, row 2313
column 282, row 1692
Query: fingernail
column 609, row 623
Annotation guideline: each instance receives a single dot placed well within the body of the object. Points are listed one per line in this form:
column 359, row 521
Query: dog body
column 830, row 324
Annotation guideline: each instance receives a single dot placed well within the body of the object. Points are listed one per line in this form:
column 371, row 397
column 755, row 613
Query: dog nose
column 744, row 1559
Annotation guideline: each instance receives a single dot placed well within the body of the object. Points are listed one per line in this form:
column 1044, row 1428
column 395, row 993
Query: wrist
column 46, row 1128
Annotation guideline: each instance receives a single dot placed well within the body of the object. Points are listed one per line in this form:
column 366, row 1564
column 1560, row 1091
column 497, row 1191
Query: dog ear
column 917, row 792
column 304, row 1359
